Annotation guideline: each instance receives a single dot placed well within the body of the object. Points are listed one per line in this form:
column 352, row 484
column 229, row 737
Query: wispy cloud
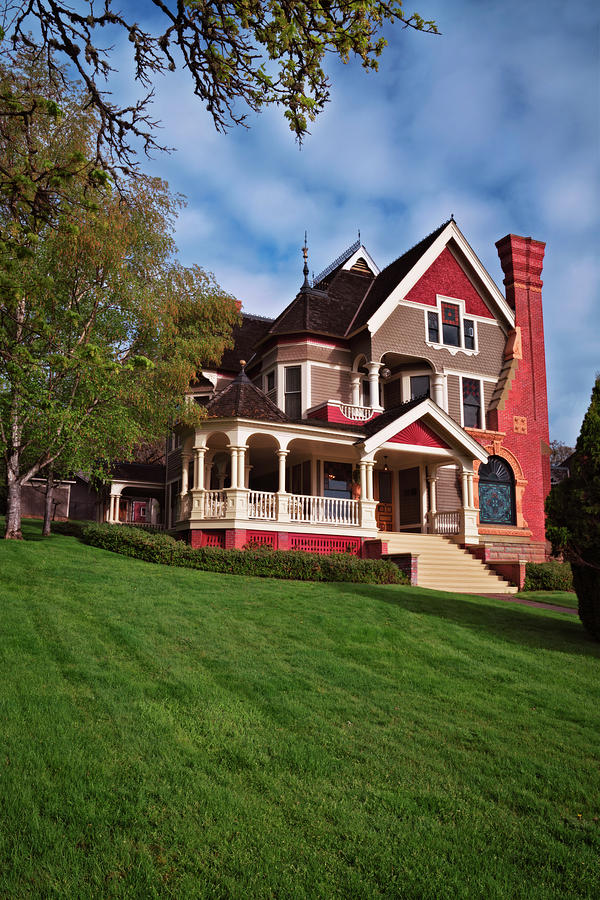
column 496, row 121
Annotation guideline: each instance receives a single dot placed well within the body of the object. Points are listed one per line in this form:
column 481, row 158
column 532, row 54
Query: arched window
column 496, row 493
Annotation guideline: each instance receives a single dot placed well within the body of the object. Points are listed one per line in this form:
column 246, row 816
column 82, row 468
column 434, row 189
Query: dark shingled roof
column 325, row 312
column 242, row 398
column 379, row 422
column 245, row 338
column 391, row 276
column 153, row 472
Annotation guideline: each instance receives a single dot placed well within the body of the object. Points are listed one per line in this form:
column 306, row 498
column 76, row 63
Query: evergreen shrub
column 548, row 576
column 287, row 564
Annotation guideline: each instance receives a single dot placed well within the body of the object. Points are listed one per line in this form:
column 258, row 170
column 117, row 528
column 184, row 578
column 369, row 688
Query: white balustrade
column 331, row 510
column 262, row 505
column 356, row 413
column 214, row 504
column 446, row 522
column 184, row 507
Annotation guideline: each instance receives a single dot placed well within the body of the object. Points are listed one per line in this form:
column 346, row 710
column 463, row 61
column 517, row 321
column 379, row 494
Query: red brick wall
column 527, row 436
column 445, row 276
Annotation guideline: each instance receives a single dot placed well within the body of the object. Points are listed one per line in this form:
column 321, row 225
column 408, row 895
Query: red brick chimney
column 524, row 417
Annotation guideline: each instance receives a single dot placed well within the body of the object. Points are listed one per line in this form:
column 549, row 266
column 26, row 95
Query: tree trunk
column 13, row 512
column 49, row 504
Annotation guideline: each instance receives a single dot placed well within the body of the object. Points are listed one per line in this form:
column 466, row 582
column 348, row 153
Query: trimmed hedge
column 548, row 576
column 288, row 564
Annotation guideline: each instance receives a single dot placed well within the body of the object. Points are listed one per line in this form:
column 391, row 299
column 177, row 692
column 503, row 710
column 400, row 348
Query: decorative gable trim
column 456, row 437
column 363, row 253
column 450, row 232
column 418, row 434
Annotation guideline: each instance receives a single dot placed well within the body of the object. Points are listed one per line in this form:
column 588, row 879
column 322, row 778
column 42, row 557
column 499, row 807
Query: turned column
column 282, row 454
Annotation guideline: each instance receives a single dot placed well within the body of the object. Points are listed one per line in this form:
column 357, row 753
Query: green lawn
column 557, row 598
column 170, row 733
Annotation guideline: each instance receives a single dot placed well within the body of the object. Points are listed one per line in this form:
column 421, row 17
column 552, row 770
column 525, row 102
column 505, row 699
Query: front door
column 409, row 491
column 383, row 494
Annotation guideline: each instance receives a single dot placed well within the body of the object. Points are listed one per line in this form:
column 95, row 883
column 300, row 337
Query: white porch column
column 465, row 489
column 373, row 369
column 113, row 508
column 282, row 454
column 234, row 466
column 241, row 480
column 355, row 380
column 437, row 389
column 370, row 466
column 432, row 481
column 362, row 468
column 424, row 499
column 469, row 533
column 199, row 474
column 185, row 461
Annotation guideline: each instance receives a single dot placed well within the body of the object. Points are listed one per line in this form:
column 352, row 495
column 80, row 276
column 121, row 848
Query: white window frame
column 482, row 416
column 462, row 315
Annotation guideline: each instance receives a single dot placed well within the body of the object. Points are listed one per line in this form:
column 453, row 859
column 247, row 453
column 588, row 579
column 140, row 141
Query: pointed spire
column 306, row 284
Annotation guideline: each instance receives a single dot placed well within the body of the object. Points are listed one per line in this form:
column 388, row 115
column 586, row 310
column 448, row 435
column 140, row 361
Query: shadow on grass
column 527, row 626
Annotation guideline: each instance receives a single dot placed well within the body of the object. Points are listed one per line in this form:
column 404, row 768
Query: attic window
column 361, row 267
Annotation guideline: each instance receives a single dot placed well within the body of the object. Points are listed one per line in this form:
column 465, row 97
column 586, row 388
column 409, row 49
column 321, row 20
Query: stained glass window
column 450, row 324
column 496, row 493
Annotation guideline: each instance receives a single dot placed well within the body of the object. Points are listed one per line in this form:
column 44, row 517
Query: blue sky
column 496, row 121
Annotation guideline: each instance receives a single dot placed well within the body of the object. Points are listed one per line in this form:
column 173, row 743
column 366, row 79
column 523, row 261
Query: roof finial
column 359, row 235
column 306, row 284
column 452, row 217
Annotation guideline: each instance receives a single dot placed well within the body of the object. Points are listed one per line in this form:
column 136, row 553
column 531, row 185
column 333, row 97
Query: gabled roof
column 243, row 399
column 400, row 418
column 391, row 276
column 325, row 312
column 245, row 338
column 131, row 471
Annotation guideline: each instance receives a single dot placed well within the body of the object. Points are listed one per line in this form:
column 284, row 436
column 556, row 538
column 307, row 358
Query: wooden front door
column 383, row 494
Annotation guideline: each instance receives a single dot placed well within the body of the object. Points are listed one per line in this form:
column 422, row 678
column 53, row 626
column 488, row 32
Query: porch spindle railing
column 331, row 510
column 214, row 504
column 446, row 522
column 262, row 505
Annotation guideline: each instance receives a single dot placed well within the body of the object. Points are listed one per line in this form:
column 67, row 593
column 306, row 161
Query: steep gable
column 446, row 276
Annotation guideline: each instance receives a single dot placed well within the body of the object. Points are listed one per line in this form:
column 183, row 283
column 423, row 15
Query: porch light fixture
column 385, row 372
column 386, row 468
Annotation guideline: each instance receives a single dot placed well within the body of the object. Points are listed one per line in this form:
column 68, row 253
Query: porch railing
column 331, row 510
column 445, row 522
column 262, row 505
column 356, row 413
column 215, row 503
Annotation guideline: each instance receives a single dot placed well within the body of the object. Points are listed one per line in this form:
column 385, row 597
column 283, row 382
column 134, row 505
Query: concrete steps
column 444, row 566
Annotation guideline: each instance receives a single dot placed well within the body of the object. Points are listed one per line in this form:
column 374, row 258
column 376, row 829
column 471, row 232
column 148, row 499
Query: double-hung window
column 446, row 325
column 471, row 392
column 271, row 386
column 293, row 391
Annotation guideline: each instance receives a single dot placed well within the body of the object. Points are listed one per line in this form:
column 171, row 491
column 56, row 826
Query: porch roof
column 243, row 399
column 428, row 413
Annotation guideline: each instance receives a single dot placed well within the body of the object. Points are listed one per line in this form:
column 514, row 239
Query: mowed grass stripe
column 177, row 733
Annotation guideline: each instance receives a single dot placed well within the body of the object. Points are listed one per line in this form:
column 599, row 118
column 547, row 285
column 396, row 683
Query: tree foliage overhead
column 254, row 52
column 101, row 329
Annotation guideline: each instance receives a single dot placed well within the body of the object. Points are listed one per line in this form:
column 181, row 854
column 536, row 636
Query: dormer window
column 446, row 327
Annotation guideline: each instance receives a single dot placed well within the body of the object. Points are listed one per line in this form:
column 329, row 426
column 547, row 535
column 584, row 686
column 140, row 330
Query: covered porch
column 326, row 479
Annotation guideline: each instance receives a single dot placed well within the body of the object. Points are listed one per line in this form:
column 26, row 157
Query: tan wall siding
column 448, row 489
column 329, row 384
column 301, row 352
column 361, row 344
column 404, row 332
column 488, row 393
column 454, row 389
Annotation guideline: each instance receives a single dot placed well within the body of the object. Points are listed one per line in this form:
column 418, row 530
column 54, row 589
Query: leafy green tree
column 101, row 329
column 254, row 52
column 573, row 511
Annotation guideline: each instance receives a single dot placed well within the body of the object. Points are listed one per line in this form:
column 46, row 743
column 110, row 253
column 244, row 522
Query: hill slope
column 176, row 733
